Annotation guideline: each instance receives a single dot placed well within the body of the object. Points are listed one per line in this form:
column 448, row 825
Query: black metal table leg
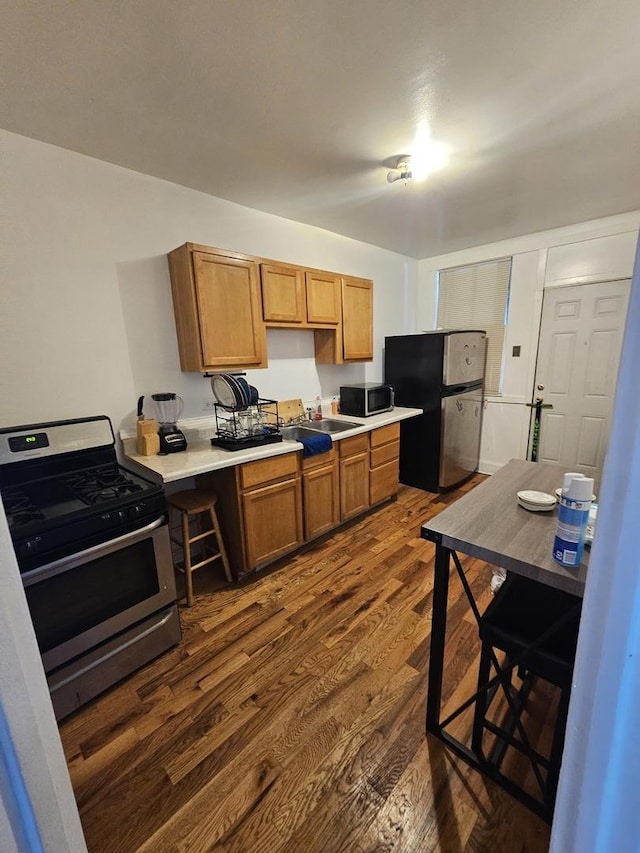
column 438, row 636
column 435, row 725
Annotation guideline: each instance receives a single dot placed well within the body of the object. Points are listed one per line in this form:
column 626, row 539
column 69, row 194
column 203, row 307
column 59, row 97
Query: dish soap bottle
column 573, row 514
column 317, row 416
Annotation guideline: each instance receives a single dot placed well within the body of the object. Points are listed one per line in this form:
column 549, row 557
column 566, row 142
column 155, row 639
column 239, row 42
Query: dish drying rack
column 254, row 426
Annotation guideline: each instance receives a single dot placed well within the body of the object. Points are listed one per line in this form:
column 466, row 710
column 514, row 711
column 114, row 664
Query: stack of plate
column 233, row 392
column 536, row 501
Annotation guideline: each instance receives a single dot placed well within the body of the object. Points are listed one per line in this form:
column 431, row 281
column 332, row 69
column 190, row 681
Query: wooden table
column 488, row 523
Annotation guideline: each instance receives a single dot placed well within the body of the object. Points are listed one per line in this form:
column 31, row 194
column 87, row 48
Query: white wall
column 32, row 736
column 87, row 321
column 602, row 250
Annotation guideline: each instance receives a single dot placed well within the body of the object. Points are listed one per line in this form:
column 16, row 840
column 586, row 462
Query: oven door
column 82, row 600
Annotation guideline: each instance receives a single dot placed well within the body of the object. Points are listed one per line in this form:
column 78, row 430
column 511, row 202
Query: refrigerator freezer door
column 460, row 442
column 464, row 358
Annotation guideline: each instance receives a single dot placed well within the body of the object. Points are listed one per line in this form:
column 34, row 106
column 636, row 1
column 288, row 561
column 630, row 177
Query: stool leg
column 220, row 540
column 557, row 747
column 480, row 711
column 187, row 558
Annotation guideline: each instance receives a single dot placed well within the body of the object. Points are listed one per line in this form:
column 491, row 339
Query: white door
column 578, row 353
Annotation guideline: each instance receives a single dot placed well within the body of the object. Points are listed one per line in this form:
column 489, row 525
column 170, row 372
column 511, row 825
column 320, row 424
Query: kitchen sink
column 295, row 433
column 311, row 428
column 329, row 425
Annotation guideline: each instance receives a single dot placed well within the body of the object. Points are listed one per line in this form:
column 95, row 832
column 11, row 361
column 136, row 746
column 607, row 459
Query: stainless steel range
column 92, row 543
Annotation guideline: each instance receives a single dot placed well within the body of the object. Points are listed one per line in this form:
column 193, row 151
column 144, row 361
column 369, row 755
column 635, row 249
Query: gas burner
column 19, row 508
column 103, row 484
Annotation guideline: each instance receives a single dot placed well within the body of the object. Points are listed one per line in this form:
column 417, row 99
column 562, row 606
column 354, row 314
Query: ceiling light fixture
column 401, row 171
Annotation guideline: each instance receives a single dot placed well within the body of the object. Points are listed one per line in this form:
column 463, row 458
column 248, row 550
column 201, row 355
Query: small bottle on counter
column 335, row 406
column 573, row 515
column 317, row 415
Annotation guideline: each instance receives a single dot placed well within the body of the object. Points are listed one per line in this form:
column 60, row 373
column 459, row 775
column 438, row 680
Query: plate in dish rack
column 224, row 391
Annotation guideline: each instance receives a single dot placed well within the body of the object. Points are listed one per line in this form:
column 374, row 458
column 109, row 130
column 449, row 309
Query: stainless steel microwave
column 365, row 399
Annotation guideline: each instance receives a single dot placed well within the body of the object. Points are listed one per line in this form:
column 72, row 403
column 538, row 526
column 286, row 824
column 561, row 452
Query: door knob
column 540, row 387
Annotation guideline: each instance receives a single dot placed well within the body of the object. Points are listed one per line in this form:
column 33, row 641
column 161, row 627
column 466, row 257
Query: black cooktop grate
column 103, row 484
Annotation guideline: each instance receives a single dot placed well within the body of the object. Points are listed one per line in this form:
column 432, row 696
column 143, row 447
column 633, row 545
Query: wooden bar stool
column 194, row 503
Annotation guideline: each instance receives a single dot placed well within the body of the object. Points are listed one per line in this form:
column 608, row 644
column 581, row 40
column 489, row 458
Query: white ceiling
column 291, row 106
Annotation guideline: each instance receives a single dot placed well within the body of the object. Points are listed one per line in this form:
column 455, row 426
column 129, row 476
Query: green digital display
column 20, row 443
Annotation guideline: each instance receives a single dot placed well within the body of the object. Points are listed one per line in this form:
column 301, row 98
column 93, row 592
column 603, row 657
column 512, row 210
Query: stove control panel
column 29, row 546
column 125, row 514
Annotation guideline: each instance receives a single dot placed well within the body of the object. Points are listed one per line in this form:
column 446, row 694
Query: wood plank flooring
column 291, row 717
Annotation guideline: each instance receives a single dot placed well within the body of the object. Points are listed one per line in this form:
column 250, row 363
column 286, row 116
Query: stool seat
column 518, row 615
column 536, row 627
column 195, row 503
column 193, row 500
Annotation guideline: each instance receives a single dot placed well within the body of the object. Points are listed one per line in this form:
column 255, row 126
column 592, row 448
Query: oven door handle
column 65, row 563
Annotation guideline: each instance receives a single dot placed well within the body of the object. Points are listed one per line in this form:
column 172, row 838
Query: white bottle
column 573, row 515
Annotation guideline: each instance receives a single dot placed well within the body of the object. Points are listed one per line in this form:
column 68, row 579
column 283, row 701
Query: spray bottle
column 573, row 514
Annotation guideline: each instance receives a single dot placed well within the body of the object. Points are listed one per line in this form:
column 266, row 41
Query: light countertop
column 200, row 456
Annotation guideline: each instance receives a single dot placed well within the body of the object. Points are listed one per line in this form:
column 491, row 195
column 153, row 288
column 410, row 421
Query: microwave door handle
column 392, row 401
column 64, row 563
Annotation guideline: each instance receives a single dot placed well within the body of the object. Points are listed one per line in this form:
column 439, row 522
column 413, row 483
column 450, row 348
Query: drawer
column 385, row 453
column 355, row 444
column 385, row 434
column 383, row 482
column 319, row 460
column 265, row 470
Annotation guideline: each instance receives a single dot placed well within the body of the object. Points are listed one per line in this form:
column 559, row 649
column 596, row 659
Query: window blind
column 477, row 297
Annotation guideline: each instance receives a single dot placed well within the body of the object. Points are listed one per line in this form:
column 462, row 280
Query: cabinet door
column 354, row 485
column 321, row 500
column 230, row 319
column 283, row 298
column 357, row 319
column 272, row 520
column 323, row 298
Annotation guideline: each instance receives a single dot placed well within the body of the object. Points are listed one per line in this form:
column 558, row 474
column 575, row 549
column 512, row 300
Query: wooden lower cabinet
column 384, row 462
column 260, row 510
column 270, row 507
column 272, row 520
column 320, row 493
column 354, row 475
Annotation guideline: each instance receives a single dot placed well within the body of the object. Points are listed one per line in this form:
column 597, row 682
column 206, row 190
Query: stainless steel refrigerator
column 442, row 373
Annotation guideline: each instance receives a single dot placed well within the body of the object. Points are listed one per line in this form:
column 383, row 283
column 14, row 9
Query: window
column 477, row 297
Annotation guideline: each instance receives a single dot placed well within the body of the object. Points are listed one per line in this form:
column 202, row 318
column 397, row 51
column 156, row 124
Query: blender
column 169, row 408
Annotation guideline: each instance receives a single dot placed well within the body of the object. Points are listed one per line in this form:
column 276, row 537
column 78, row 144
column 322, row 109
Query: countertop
column 200, row 456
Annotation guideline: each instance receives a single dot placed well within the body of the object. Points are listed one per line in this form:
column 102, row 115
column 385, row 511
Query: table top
column 488, row 523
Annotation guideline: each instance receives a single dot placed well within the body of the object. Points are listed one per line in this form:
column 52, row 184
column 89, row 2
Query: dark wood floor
column 291, row 717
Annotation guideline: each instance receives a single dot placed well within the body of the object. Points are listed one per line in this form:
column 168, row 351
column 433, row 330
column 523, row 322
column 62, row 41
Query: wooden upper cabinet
column 323, row 298
column 352, row 340
column 357, row 319
column 216, row 301
column 283, row 294
column 223, row 302
column 293, row 295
